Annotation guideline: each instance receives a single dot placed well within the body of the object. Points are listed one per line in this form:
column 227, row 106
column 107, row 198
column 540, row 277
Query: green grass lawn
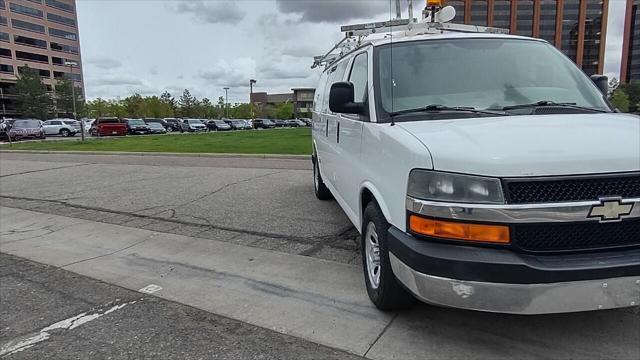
column 275, row 141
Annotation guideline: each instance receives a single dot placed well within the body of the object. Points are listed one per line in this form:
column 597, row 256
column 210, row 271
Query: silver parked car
column 62, row 127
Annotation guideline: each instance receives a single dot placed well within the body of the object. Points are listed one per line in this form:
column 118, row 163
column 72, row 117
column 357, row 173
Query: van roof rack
column 355, row 34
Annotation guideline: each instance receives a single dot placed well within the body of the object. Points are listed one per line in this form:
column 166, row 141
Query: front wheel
column 321, row 190
column 383, row 288
column 64, row 133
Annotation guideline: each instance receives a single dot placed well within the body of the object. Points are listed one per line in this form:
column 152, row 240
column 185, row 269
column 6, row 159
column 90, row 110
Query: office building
column 576, row 27
column 630, row 69
column 301, row 98
column 42, row 34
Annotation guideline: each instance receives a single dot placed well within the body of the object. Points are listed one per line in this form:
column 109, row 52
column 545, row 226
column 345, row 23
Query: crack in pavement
column 41, row 170
column 299, row 239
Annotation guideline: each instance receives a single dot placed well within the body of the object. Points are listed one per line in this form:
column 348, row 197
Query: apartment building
column 42, row 34
column 576, row 27
column 630, row 69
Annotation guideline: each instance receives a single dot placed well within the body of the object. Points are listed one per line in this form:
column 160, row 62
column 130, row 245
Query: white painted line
column 150, row 289
column 16, row 346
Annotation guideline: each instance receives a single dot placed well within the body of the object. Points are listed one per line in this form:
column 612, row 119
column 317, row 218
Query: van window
column 359, row 77
column 317, row 104
column 336, row 75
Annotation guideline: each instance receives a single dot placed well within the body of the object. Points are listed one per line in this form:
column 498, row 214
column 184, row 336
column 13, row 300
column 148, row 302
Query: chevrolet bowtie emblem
column 610, row 210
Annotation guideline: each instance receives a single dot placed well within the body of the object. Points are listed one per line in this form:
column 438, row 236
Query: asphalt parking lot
column 239, row 241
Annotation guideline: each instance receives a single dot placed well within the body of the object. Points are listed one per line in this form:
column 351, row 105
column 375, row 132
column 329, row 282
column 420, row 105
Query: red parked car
column 108, row 127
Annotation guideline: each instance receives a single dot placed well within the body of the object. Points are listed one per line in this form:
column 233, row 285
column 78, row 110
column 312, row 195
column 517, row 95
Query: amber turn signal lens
column 496, row 234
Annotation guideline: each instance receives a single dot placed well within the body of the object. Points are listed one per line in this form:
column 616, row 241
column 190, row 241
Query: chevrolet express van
column 484, row 171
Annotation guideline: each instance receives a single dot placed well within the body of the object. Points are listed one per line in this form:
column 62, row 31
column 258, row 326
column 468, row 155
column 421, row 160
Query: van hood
column 535, row 145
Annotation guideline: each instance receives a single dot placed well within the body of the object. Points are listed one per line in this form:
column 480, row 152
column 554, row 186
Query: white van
column 484, row 171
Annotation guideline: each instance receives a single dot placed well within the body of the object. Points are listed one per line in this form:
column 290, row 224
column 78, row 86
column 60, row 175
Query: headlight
column 438, row 186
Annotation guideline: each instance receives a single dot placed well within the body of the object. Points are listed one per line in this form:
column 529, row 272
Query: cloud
column 103, row 62
column 212, row 12
column 153, row 70
column 232, row 74
column 333, row 11
column 114, row 80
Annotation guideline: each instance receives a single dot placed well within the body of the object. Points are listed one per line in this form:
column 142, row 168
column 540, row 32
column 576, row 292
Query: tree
column 98, row 108
column 221, row 108
column 632, row 90
column 284, row 110
column 240, row 111
column 64, row 98
column 32, row 96
column 188, row 104
column 170, row 101
column 620, row 100
column 135, row 106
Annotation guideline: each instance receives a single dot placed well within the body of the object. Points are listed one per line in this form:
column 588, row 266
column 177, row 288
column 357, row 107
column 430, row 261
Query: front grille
column 572, row 189
column 576, row 236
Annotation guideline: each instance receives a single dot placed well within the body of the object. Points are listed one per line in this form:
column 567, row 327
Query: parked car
column 218, row 125
column 280, row 123
column 248, row 124
column 62, row 127
column 263, row 124
column 193, row 125
column 291, row 123
column 174, row 124
column 236, row 124
column 136, row 126
column 307, row 121
column 26, row 129
column 108, row 126
column 508, row 183
column 156, row 128
column 301, row 123
column 158, row 121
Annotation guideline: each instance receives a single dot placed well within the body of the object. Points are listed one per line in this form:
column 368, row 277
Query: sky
column 152, row 46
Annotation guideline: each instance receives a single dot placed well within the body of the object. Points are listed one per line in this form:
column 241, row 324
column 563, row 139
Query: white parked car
column 193, row 125
column 484, row 171
column 62, row 127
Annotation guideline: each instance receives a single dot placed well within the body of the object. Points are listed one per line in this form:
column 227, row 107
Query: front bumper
column 500, row 280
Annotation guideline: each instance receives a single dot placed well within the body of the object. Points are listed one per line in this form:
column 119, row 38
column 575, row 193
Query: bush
column 620, row 100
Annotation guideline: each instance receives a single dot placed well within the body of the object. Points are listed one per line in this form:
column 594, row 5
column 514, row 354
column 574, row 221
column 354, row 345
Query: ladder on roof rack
column 355, row 34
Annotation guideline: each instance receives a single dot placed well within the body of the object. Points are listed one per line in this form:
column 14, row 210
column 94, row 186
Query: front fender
column 377, row 196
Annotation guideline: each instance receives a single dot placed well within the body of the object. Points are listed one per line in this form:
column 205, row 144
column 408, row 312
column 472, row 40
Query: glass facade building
column 630, row 70
column 576, row 27
column 37, row 33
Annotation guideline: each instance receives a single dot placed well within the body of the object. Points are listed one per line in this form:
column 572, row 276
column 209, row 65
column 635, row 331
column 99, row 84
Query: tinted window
column 25, row 10
column 4, row 36
column 6, row 68
column 62, row 34
column 63, row 48
column 27, row 26
column 60, row 5
column 23, row 40
column 23, row 55
column 359, row 77
column 61, row 19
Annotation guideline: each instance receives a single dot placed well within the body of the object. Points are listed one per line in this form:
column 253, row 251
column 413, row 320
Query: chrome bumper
column 520, row 298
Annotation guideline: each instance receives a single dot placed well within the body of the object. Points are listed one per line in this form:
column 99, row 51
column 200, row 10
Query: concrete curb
column 203, row 155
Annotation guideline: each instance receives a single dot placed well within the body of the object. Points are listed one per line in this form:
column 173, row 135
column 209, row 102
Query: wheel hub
column 372, row 254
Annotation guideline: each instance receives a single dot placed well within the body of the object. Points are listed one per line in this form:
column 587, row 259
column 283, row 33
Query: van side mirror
column 341, row 99
column 602, row 82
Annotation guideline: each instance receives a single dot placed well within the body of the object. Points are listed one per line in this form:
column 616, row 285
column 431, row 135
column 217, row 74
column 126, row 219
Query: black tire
column 321, row 190
column 64, row 133
column 389, row 294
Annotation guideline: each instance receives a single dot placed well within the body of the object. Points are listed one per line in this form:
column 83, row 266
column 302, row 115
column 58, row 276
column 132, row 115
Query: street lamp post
column 226, row 102
column 251, row 82
column 71, row 64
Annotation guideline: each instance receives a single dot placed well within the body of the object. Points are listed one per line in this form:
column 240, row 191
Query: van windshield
column 479, row 73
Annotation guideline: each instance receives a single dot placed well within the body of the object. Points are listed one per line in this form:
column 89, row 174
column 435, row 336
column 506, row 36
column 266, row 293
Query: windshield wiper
column 435, row 108
column 551, row 103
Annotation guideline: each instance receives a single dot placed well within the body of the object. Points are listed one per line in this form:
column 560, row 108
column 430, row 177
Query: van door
column 331, row 124
column 349, row 137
